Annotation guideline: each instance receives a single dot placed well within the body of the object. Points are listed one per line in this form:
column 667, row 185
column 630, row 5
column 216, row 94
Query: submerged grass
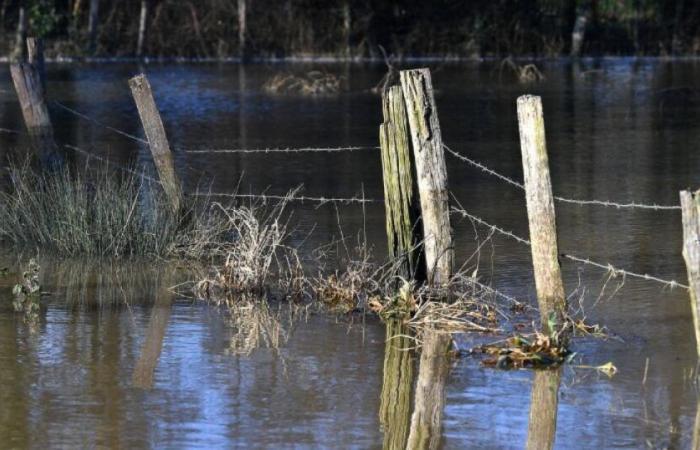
column 96, row 212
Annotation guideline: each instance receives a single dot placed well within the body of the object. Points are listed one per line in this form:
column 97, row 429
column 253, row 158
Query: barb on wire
column 606, row 203
column 97, row 122
column 298, row 198
column 608, row 267
column 279, row 150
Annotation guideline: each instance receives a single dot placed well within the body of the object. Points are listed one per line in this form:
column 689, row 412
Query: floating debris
column 312, row 83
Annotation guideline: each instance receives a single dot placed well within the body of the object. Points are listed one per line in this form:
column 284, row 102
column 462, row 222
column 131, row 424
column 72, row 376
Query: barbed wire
column 608, row 267
column 606, row 203
column 97, row 122
column 298, row 198
column 9, row 131
column 280, row 150
column 111, row 163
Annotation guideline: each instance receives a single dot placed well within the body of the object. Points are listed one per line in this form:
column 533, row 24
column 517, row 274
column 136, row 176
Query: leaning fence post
column 690, row 208
column 157, row 139
column 27, row 79
column 431, row 173
column 400, row 198
column 540, row 211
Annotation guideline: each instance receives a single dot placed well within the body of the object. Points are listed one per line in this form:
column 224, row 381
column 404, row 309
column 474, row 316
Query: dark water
column 625, row 130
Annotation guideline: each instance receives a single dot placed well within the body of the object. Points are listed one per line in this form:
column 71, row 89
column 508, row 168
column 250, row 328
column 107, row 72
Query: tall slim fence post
column 28, row 81
column 540, row 211
column 690, row 208
column 400, row 198
column 157, row 139
column 431, row 173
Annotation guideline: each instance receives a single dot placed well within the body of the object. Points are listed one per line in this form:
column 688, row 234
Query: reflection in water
column 395, row 406
column 426, row 423
column 150, row 352
column 696, row 428
column 544, row 402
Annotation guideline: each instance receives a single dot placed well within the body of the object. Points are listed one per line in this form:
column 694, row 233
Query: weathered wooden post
column 540, row 212
column 400, row 198
column 431, row 173
column 29, row 85
column 157, row 139
column 35, row 57
column 690, row 209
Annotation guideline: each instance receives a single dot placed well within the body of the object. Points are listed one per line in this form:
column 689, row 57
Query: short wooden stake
column 28, row 85
column 157, row 139
column 690, row 208
column 400, row 198
column 540, row 212
column 153, row 344
column 431, row 173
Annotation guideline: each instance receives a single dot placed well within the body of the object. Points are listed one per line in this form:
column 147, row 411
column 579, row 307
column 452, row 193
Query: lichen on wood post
column 157, row 139
column 399, row 192
column 431, row 173
column 690, row 208
column 540, row 211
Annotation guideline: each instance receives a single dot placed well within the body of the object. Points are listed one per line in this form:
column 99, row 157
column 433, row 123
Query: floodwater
column 116, row 360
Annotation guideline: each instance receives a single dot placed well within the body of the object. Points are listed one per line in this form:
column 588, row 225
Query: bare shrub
column 312, row 83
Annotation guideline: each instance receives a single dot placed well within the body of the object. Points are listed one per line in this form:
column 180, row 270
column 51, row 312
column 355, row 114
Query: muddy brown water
column 107, row 368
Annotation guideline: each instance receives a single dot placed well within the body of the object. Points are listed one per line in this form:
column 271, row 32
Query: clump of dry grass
column 313, row 83
column 254, row 325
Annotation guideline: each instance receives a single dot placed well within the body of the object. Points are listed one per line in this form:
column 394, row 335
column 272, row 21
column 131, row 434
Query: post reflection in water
column 423, row 428
column 544, row 402
column 395, row 405
column 426, row 422
column 152, row 346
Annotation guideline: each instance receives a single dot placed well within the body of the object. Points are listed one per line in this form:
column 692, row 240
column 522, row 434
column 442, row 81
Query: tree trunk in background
column 677, row 28
column 347, row 27
column 92, row 25
column 242, row 31
column 19, row 51
column 583, row 13
column 142, row 28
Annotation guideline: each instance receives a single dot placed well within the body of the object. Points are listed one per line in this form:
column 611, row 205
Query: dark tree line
column 354, row 28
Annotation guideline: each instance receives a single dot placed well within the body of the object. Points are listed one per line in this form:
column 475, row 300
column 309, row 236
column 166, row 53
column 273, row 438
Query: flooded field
column 117, row 360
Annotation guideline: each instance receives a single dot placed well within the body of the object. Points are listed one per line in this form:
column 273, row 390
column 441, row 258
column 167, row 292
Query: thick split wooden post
column 431, row 173
column 540, row 211
column 690, row 206
column 157, row 139
column 400, row 198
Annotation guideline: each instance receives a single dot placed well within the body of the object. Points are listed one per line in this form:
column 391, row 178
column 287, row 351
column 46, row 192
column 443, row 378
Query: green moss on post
column 399, row 191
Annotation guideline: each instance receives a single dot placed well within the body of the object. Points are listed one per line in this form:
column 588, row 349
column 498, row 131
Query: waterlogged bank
column 616, row 130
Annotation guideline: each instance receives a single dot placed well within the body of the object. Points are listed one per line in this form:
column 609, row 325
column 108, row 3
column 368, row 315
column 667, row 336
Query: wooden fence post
column 28, row 83
column 540, row 212
column 690, row 208
column 431, row 173
column 400, row 199
column 35, row 57
column 157, row 139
